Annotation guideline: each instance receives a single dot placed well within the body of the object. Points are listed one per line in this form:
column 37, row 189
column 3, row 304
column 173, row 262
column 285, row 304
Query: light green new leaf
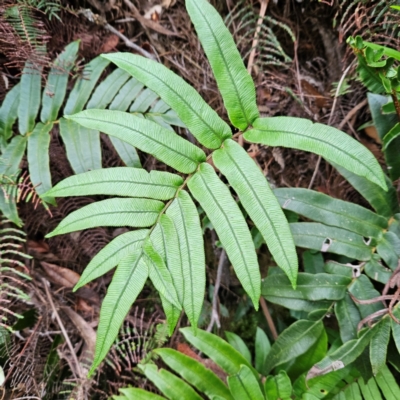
column 278, row 387
column 234, row 82
column 262, row 348
column 237, row 343
column 185, row 218
column 204, row 380
column 230, row 225
column 120, row 181
column 82, row 146
column 138, row 394
column 146, row 135
column 56, row 85
column 379, row 344
column 203, row 122
column 293, row 341
column 322, row 208
column 348, row 317
column 169, row 384
column 8, row 114
column 109, row 256
column 312, row 235
column 111, row 212
column 38, row 158
column 328, row 142
column 12, row 156
column 127, row 283
column 159, row 274
column 29, row 98
column 84, row 85
column 387, row 383
column 221, row 352
column 244, row 385
column 260, row 203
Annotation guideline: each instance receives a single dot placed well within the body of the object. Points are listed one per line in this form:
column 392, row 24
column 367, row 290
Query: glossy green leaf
column 106, row 91
column 348, row 317
column 111, row 212
column 8, row 114
column 190, row 254
column 278, row 387
column 237, row 343
column 329, row 239
column 293, row 341
column 262, row 348
column 82, row 146
column 379, row 344
column 38, row 158
column 204, row 380
column 324, row 140
column 109, row 256
column 169, row 384
column 389, row 249
column 56, row 85
column 120, row 181
column 387, row 384
column 201, row 119
column 138, row 394
column 12, row 156
column 227, row 219
column 84, row 85
column 234, row 82
column 221, row 352
column 369, row 390
column 145, row 135
column 29, row 98
column 244, row 385
column 260, row 203
column 334, row 212
column 127, row 283
column 159, row 274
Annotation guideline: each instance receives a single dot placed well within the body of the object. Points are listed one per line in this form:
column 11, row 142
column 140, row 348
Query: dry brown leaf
column 110, row 43
column 373, row 133
column 168, row 3
column 59, row 275
column 39, row 246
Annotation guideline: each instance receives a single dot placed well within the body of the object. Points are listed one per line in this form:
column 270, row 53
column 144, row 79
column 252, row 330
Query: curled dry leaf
column 60, row 276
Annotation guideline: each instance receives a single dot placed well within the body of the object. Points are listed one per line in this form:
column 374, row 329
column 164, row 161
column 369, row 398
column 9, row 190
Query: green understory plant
column 168, row 248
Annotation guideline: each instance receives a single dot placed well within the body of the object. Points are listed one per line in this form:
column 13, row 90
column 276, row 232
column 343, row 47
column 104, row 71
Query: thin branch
column 269, row 319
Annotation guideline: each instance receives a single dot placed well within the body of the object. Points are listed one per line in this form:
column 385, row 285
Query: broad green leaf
column 106, row 91
column 387, row 384
column 8, row 114
column 260, row 203
column 379, row 344
column 120, row 181
column 384, row 203
column 389, row 249
column 12, row 156
column 227, row 219
column 200, row 119
column 108, row 257
column 311, row 287
column 234, row 82
column 363, row 289
column 185, row 218
column 84, row 85
column 127, row 283
column 322, row 208
column 369, row 390
column 278, row 387
column 335, row 268
column 204, row 380
column 38, row 158
column 139, row 394
column 348, row 317
column 29, row 97
column 313, row 262
column 262, row 348
column 56, row 85
column 126, row 95
column 237, row 343
column 111, row 212
column 385, row 50
column 312, row 235
column 171, row 312
column 127, row 152
column 169, row 384
column 352, row 392
column 82, row 146
column 221, row 352
column 293, row 342
column 144, row 101
column 376, row 271
column 324, row 140
column 244, row 385
column 145, row 135
column 396, row 328
column 159, row 274
column 391, row 135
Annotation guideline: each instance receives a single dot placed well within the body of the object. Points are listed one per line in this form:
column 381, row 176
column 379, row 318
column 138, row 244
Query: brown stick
column 268, row 317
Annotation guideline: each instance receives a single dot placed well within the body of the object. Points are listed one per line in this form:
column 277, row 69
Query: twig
column 214, row 313
column 371, row 317
column 263, row 9
column 269, row 319
column 352, row 112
